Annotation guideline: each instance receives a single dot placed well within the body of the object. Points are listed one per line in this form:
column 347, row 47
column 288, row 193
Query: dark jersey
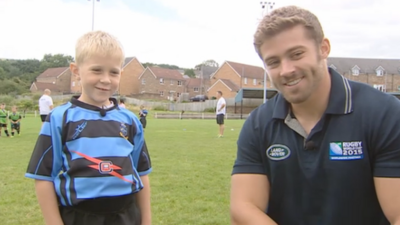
column 88, row 155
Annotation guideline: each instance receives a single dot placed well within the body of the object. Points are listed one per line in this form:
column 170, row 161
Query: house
column 196, row 86
column 382, row 74
column 231, row 76
column 58, row 80
column 129, row 83
column 161, row 83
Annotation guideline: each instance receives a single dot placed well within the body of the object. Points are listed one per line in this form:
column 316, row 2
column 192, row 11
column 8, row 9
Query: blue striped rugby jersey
column 88, row 155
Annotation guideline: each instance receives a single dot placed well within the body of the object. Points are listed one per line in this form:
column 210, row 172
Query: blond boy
column 91, row 162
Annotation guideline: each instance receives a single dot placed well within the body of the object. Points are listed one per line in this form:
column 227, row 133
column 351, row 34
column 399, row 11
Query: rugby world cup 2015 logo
column 278, row 152
column 350, row 150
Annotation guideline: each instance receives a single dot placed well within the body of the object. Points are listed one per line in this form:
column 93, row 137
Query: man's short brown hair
column 284, row 18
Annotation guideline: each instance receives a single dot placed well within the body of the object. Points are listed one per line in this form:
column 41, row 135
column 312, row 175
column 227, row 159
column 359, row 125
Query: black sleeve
column 386, row 140
column 249, row 159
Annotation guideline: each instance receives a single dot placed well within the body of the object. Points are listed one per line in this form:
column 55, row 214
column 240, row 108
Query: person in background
column 15, row 121
column 220, row 111
column 45, row 105
column 3, row 119
column 122, row 103
column 143, row 114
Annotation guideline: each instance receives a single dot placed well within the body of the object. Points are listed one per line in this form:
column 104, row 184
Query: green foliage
column 159, row 108
column 8, row 100
column 213, row 109
column 16, row 76
column 166, row 66
column 190, row 72
column 210, row 63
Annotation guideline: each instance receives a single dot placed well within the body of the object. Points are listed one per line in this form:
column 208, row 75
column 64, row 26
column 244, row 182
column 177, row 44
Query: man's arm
column 47, row 199
column 249, row 184
column 388, row 191
column 385, row 141
column 143, row 199
column 249, row 200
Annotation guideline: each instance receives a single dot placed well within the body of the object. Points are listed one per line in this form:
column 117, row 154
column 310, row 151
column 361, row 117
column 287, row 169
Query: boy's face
column 100, row 77
column 2, row 106
column 14, row 109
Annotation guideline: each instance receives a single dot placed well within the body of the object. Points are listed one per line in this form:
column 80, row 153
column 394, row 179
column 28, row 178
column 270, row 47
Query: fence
column 163, row 115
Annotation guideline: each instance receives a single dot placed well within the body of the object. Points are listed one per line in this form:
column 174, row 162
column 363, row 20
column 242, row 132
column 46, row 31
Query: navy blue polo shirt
column 326, row 177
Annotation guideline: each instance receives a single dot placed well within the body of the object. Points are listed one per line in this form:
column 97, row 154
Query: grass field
column 190, row 178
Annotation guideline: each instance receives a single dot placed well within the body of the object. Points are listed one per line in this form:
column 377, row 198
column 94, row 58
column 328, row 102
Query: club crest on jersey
column 278, row 152
column 346, row 150
column 105, row 167
column 123, row 131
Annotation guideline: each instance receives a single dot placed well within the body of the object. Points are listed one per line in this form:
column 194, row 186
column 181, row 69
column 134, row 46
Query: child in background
column 143, row 114
column 3, row 119
column 90, row 161
column 15, row 121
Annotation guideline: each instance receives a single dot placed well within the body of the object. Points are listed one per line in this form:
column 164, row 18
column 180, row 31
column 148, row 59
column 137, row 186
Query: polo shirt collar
column 340, row 98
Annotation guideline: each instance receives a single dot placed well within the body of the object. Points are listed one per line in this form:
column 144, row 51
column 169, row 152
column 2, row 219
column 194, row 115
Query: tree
column 209, row 62
column 190, row 72
column 52, row 61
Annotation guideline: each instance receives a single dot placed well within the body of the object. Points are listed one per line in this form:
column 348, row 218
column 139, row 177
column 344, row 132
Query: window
column 172, row 82
column 161, row 80
column 380, row 87
column 161, row 93
column 143, row 81
column 380, row 71
column 196, row 89
column 178, row 94
column 73, row 83
column 179, row 83
column 245, row 80
column 254, row 81
column 355, row 71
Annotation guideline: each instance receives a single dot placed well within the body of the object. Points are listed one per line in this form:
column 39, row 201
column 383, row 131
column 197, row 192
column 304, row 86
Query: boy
column 15, row 119
column 3, row 119
column 90, row 161
column 143, row 114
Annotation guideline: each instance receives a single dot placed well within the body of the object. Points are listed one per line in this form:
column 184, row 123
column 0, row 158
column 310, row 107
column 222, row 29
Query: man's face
column 294, row 63
column 100, row 77
column 218, row 95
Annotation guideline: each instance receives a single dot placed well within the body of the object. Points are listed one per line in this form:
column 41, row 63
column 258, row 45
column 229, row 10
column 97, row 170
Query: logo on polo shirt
column 278, row 152
column 346, row 150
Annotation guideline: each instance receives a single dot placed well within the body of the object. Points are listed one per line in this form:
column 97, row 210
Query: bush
column 8, row 100
column 210, row 109
column 159, row 108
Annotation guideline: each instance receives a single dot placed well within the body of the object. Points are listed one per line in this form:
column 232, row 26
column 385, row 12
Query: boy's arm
column 47, row 199
column 143, row 200
column 143, row 167
column 44, row 166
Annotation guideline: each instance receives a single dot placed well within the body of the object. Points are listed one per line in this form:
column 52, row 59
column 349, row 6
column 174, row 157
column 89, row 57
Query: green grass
column 189, row 182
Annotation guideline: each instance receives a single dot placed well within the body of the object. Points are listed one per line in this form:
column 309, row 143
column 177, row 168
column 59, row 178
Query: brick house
column 161, row 83
column 231, row 76
column 58, row 80
column 129, row 83
column 197, row 86
column 382, row 74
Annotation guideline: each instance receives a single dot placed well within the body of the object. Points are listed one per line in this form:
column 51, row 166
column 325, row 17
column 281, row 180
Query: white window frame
column 196, row 89
column 161, row 80
column 254, row 81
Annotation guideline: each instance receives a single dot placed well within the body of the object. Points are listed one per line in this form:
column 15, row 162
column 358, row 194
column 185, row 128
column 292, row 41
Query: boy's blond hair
column 98, row 43
column 287, row 17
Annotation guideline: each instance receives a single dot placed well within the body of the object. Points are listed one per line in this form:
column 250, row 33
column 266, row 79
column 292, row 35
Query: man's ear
column 75, row 70
column 325, row 48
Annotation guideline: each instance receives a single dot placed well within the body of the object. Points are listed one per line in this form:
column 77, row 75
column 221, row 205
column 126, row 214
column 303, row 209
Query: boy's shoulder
column 60, row 110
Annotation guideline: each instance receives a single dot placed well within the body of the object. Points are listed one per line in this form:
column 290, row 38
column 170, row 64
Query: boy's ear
column 122, row 72
column 75, row 70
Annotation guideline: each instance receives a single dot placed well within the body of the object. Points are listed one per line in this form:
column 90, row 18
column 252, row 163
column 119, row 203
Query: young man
column 143, row 115
column 45, row 105
column 325, row 150
column 15, row 121
column 3, row 119
column 220, row 111
column 90, row 161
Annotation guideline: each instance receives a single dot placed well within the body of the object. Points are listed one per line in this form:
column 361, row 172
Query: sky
column 188, row 32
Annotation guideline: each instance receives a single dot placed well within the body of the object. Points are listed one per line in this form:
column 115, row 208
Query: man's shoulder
column 366, row 96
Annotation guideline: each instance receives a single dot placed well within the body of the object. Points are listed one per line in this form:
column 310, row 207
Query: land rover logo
column 278, row 152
